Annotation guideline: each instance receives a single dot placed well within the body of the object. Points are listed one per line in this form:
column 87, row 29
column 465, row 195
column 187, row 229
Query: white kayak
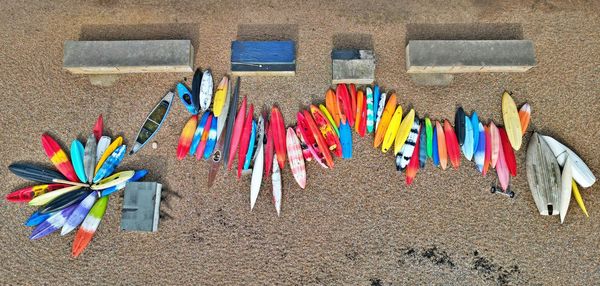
column 259, row 158
column 206, row 90
column 565, row 190
column 581, row 172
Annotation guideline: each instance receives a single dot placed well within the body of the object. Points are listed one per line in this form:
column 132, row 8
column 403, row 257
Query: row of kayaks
column 77, row 195
column 324, row 131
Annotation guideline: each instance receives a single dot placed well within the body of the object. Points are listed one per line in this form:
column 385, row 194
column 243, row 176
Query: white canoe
column 581, row 172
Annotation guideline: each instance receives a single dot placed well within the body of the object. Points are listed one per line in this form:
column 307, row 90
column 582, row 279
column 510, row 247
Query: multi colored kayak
column 452, row 144
column 197, row 137
column 333, row 142
column 392, row 129
column 138, row 175
column 377, row 105
column 330, row 118
column 442, row 150
column 26, row 194
column 509, row 154
column 259, row 160
column 524, row 117
column 435, row 156
column 79, row 213
column 196, row 82
column 429, row 134
column 422, row 146
column 64, row 201
column 47, row 197
column 279, row 143
column 187, row 134
column 58, row 157
column 111, row 163
column 77, row 154
column 220, row 96
column 406, row 127
column 52, row 224
column 405, row 153
column 113, row 180
column 186, row 98
column 251, row 144
column 512, row 124
column 386, row 117
column 295, row 157
column 245, row 139
column 211, row 141
column 413, row 165
column 204, row 138
column 370, row 114
column 236, row 136
column 89, row 226
column 380, row 109
column 206, row 90
column 109, row 150
column 153, row 122
column 475, row 125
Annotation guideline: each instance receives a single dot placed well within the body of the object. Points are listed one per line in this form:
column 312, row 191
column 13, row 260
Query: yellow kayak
column 109, row 150
column 512, row 123
column 578, row 198
column 113, row 180
column 220, row 95
column 404, row 130
column 390, row 133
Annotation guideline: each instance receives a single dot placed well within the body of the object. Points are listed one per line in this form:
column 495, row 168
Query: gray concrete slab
column 462, row 56
column 117, row 57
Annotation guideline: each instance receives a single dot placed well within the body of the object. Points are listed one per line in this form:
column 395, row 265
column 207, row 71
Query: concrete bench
column 460, row 56
column 105, row 60
column 352, row 66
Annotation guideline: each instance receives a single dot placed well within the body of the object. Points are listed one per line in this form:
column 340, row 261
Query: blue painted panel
column 258, row 52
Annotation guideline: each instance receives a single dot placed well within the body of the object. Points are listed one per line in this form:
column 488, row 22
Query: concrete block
column 141, row 206
column 432, row 79
column 118, row 57
column 352, row 66
column 462, row 56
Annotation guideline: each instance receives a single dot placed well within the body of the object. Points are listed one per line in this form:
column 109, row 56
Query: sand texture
column 358, row 224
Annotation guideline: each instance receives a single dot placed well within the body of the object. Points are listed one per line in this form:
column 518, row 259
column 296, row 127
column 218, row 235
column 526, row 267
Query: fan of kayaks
column 76, row 195
column 324, row 131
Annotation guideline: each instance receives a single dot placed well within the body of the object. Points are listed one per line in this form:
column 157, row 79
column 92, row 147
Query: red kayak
column 98, row 127
column 279, row 134
column 509, row 154
column 245, row 140
column 352, row 98
column 361, row 114
column 413, row 164
column 346, row 106
column 309, row 139
column 452, row 145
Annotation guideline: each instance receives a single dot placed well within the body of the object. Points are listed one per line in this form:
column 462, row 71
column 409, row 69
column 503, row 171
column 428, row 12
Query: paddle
column 39, row 174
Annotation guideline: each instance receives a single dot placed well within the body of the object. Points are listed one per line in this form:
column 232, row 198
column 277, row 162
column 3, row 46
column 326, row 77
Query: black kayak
column 459, row 125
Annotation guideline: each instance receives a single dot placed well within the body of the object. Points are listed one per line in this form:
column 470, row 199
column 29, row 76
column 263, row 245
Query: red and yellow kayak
column 333, row 142
column 185, row 139
column 58, row 157
column 488, row 150
column 25, row 195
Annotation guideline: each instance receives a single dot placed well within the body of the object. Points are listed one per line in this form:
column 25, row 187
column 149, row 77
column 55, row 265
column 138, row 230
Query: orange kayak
column 442, row 150
column 360, row 126
column 386, row 117
column 332, row 105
